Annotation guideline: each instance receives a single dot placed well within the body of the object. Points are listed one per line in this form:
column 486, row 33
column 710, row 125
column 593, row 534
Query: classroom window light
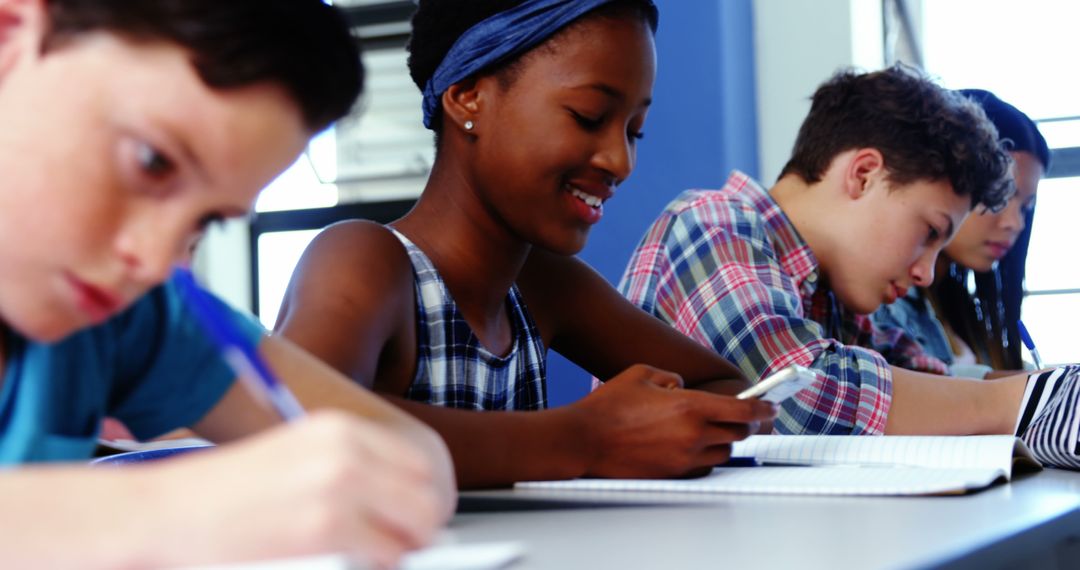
column 1055, row 336
column 1015, row 50
column 1061, row 133
column 279, row 253
column 1050, row 264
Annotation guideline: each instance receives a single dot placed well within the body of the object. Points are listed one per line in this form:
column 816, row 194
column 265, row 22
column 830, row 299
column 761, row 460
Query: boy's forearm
column 930, row 404
column 319, row 386
column 99, row 516
column 497, row 449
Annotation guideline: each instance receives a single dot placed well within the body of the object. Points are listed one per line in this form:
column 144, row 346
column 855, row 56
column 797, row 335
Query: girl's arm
column 351, row 303
column 639, row 424
column 584, row 318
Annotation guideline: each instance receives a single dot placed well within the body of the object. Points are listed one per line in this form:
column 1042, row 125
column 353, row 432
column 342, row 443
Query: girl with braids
column 976, row 334
column 536, row 108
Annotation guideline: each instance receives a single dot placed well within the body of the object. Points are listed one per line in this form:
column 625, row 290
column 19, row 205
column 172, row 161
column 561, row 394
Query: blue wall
column 703, row 123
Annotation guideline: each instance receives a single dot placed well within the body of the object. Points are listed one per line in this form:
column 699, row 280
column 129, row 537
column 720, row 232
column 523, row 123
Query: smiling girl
column 537, row 107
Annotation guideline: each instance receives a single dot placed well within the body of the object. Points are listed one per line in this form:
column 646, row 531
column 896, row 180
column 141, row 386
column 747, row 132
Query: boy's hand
column 329, row 483
column 641, row 423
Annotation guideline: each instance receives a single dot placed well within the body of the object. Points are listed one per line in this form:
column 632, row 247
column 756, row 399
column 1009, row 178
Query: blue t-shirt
column 151, row 367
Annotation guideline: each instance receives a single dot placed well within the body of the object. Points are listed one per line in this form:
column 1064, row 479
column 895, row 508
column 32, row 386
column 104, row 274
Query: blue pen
column 741, row 462
column 1030, row 344
column 241, row 355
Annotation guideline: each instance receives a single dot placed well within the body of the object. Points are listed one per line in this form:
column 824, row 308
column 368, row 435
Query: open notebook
column 479, row 556
column 842, row 465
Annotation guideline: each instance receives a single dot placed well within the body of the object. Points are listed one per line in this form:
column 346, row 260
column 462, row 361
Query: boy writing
column 126, row 128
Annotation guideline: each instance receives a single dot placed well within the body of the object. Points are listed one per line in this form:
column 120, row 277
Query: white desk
column 1033, row 522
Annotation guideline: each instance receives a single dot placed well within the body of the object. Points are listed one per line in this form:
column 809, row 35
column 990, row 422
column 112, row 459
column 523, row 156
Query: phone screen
column 781, row 385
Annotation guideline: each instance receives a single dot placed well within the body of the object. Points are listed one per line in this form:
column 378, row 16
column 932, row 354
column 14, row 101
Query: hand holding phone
column 780, row 385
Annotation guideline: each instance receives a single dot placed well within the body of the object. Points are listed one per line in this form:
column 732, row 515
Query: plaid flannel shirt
column 727, row 268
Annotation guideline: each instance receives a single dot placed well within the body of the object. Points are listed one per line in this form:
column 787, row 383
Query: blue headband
column 499, row 37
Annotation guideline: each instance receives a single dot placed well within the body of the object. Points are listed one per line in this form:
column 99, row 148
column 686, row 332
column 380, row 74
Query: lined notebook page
column 831, row 480
column 974, row 451
column 478, row 556
column 840, row 465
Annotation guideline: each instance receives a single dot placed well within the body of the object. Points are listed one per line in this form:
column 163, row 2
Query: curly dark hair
column 302, row 45
column 437, row 24
column 924, row 132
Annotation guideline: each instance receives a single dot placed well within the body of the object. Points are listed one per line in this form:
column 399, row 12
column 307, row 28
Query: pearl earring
column 468, row 125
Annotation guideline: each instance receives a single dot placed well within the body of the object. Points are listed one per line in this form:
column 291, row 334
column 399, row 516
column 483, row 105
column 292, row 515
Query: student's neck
column 476, row 254
column 805, row 206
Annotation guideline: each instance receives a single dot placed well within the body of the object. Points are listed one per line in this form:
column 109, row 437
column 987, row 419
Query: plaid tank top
column 453, row 369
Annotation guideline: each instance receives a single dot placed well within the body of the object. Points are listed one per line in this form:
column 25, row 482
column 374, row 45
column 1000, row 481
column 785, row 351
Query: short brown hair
column 923, row 131
column 303, row 46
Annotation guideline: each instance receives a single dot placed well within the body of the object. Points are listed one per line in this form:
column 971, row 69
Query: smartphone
column 780, row 385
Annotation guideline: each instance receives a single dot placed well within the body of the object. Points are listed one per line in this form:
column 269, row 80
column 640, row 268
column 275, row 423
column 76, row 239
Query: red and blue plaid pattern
column 727, row 268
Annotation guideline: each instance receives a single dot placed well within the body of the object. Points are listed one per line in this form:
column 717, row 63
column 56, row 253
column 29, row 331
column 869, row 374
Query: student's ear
column 462, row 104
column 22, row 27
column 866, row 166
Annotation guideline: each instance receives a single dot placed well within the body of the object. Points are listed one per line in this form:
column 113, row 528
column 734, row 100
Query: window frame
column 376, row 26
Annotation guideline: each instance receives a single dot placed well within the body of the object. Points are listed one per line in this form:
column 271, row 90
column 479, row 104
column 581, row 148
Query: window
column 1015, row 50
column 371, row 164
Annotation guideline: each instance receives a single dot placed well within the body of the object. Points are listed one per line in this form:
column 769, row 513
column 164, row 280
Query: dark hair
column 986, row 318
column 982, row 319
column 1013, row 126
column 301, row 45
column 437, row 24
column 924, row 132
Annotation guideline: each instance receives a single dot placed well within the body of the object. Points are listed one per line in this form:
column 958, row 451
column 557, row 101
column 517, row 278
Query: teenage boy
column 125, row 128
column 885, row 167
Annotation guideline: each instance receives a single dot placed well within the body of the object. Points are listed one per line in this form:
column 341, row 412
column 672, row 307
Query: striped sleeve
column 1049, row 418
